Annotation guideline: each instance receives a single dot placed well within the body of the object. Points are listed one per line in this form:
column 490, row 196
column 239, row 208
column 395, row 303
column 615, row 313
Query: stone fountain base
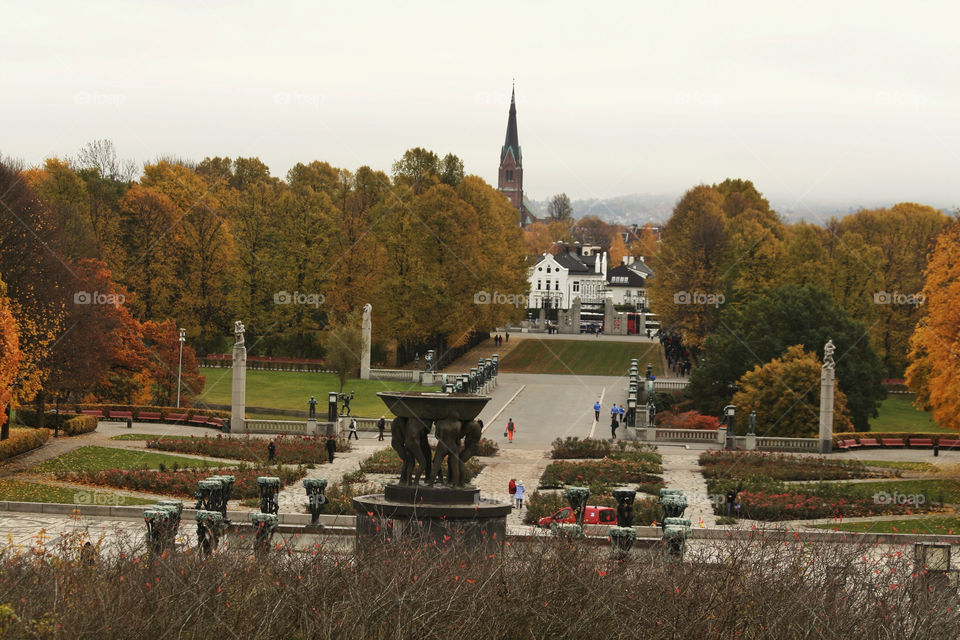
column 425, row 515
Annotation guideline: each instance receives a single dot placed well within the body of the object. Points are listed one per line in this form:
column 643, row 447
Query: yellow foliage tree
column 785, row 393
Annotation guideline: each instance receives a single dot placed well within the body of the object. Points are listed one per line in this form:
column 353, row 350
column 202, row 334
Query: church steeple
column 510, row 182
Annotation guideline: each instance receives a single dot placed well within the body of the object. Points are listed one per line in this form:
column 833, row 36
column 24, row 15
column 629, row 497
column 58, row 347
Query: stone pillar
column 826, row 410
column 238, row 402
column 542, row 318
column 751, row 442
column 365, row 328
column 722, row 436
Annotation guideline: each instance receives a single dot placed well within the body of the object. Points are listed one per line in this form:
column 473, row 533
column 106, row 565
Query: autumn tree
column 65, row 194
column 560, row 207
column 644, row 243
column 162, row 342
column 618, row 250
column 101, row 156
column 934, row 371
column 9, row 358
column 536, row 239
column 785, row 393
column 342, row 345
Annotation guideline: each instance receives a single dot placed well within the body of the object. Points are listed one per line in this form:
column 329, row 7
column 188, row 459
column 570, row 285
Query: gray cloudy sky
column 845, row 102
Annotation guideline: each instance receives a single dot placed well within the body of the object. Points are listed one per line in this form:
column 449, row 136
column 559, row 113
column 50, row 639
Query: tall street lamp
column 183, row 338
column 730, row 411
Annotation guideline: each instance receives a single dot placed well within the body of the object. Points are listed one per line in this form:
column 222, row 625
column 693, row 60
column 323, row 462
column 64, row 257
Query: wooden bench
column 869, row 442
column 948, row 443
column 198, row 419
column 121, row 415
column 215, row 422
column 921, row 442
column 92, row 412
column 848, row 444
column 892, row 442
column 149, row 415
column 176, row 417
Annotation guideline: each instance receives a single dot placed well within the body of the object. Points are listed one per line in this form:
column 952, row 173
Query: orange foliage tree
column 9, row 358
column 162, row 340
column 934, row 371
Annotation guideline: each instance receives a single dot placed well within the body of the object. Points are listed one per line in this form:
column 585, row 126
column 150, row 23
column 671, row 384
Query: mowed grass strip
column 581, row 357
column 23, row 491
column 93, row 458
column 292, row 390
column 897, row 413
column 929, row 526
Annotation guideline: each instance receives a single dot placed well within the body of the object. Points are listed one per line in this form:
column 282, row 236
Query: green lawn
column 932, row 526
column 581, row 357
column 903, row 465
column 292, row 390
column 21, row 491
column 932, row 491
column 897, row 413
column 148, row 436
column 100, row 458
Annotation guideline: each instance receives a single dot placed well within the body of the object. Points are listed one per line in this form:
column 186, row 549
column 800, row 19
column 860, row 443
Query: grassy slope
column 932, row 526
column 21, row 491
column 101, row 458
column 581, row 357
column 292, row 390
column 897, row 413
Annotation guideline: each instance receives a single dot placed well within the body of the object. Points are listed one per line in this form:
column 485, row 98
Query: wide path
column 545, row 407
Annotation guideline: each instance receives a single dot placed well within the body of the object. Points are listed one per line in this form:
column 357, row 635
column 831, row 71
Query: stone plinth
column 425, row 515
column 826, row 409
column 239, row 390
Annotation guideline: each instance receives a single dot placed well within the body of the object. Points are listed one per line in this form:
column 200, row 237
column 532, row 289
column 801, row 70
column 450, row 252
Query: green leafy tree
column 342, row 344
column 764, row 327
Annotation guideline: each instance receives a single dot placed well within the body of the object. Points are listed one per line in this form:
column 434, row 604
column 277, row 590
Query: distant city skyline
column 851, row 104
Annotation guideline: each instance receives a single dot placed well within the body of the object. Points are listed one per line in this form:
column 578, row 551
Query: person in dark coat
column 331, row 447
column 381, row 425
column 271, row 450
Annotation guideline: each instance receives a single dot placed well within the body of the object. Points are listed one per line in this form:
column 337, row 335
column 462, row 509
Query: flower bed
column 567, row 448
column 773, row 506
column 608, row 471
column 290, row 449
column 545, row 503
column 22, row 440
column 778, row 466
column 181, row 483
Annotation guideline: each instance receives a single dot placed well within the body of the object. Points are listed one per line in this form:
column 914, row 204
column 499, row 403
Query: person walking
column 621, row 411
column 512, row 487
column 381, row 425
column 271, row 450
column 507, row 334
column 614, row 413
column 613, row 426
column 353, row 429
column 596, row 410
column 331, row 446
column 510, row 429
column 518, row 496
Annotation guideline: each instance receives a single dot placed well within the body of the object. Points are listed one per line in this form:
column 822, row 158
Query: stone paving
column 682, row 471
column 520, row 464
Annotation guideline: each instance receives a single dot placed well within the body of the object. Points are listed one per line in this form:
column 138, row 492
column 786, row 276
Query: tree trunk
column 41, row 417
column 5, row 429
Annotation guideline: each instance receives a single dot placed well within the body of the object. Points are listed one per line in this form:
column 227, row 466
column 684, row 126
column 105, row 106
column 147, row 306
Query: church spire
column 512, row 142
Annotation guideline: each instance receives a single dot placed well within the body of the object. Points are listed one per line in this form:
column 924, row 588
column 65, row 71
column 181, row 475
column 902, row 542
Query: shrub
column 78, row 424
column 607, row 471
column 779, row 466
column 646, row 511
column 290, row 449
column 566, row 448
column 487, row 447
column 22, row 440
column 687, row 420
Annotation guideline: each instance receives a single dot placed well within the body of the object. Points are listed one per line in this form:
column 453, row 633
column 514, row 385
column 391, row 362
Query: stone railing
column 686, row 435
column 276, row 426
column 788, row 444
column 394, row 374
column 669, row 385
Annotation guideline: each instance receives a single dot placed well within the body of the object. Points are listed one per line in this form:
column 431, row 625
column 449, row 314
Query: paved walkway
column 681, row 470
column 526, row 465
column 293, row 498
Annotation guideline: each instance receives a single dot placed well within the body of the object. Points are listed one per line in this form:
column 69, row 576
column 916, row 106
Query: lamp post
column 729, row 412
column 183, row 338
column 753, row 424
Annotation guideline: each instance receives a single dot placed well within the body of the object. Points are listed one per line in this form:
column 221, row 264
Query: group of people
column 498, row 340
column 617, row 416
column 515, row 487
column 678, row 357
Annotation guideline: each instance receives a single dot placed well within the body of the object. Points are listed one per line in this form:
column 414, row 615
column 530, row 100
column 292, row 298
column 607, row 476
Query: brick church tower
column 510, row 180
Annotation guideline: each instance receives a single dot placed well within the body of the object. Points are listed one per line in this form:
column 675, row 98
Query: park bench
column 215, row 422
column 920, row 442
column 92, row 412
column 848, row 444
column 149, row 415
column 176, row 417
column 198, row 419
column 948, row 443
column 121, row 415
column 869, row 442
column 892, row 442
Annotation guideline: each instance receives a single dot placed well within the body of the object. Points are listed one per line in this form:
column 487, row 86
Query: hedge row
column 22, row 440
column 78, row 424
column 70, row 424
column 27, row 416
column 905, row 435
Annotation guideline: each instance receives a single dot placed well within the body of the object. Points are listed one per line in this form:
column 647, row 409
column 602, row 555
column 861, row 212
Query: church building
column 510, row 181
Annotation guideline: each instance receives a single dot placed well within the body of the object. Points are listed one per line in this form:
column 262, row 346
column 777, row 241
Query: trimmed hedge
column 905, row 435
column 70, row 424
column 575, row 448
column 78, row 424
column 22, row 440
column 28, row 416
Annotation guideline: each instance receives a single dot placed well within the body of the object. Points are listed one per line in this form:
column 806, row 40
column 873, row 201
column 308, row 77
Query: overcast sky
column 815, row 102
